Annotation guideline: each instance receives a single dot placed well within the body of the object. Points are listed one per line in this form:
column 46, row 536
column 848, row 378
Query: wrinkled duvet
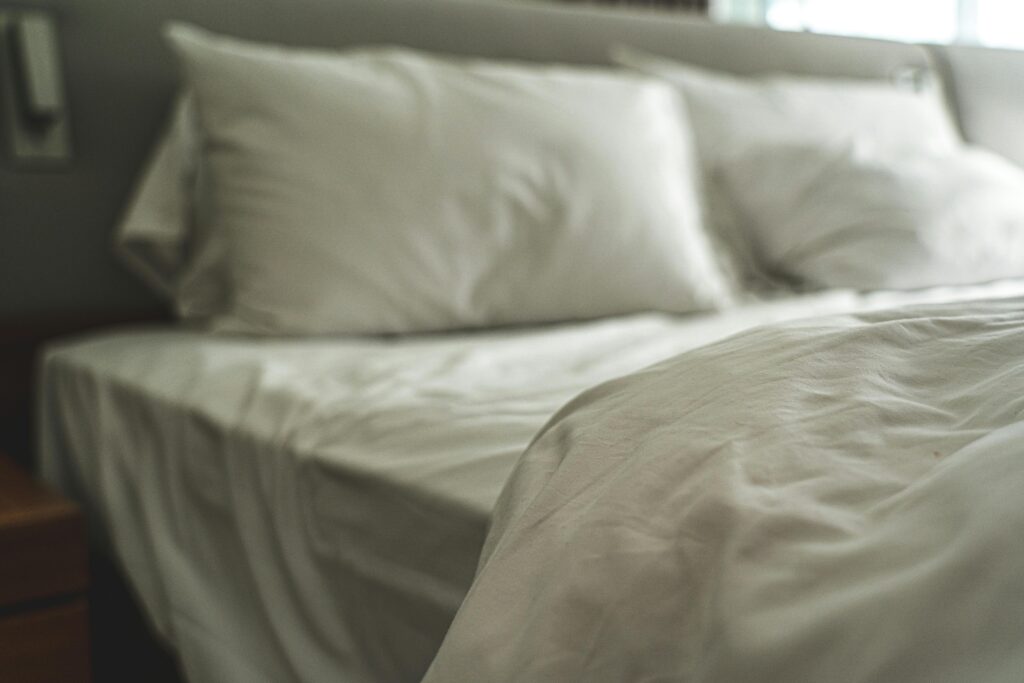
column 834, row 500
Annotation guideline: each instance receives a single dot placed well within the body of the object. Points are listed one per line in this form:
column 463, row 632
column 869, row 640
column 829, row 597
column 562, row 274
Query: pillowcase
column 870, row 219
column 735, row 117
column 162, row 236
column 387, row 191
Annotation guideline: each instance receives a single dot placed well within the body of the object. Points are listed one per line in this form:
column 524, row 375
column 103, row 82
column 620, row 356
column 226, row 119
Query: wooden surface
column 44, row 616
column 45, row 543
column 46, row 646
column 42, row 541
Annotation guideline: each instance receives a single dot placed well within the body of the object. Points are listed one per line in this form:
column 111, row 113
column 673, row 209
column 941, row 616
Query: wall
column 54, row 225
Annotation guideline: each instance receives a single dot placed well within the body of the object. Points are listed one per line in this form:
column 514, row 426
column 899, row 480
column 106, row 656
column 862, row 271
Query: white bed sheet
column 312, row 510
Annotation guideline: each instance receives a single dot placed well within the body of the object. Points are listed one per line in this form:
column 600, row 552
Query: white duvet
column 836, row 500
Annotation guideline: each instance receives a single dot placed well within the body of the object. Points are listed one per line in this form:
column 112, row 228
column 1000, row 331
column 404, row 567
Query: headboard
column 55, row 226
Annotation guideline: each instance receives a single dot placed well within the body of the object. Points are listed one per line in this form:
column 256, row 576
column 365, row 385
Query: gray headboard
column 55, row 227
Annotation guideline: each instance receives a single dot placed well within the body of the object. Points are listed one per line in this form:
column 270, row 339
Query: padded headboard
column 55, row 227
column 988, row 88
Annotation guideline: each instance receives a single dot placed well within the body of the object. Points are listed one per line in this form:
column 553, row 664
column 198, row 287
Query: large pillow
column 164, row 236
column 389, row 191
column 735, row 117
column 871, row 219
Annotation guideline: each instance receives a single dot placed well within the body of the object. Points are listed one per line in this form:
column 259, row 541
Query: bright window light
column 920, row 21
column 1000, row 23
column 997, row 23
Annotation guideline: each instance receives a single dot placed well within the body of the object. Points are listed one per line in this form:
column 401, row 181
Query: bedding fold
column 828, row 500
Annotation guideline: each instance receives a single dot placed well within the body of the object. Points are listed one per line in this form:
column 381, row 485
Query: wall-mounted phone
column 37, row 113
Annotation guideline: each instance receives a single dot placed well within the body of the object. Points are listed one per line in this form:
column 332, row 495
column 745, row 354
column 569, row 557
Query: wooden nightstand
column 44, row 625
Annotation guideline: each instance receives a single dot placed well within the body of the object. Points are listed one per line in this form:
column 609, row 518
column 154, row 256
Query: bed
column 320, row 506
column 300, row 479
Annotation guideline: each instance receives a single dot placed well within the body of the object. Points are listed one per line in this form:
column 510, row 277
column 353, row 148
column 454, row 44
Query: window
column 998, row 23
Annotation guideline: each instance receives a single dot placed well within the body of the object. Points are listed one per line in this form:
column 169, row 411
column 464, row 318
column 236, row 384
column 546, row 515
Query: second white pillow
column 868, row 219
column 738, row 117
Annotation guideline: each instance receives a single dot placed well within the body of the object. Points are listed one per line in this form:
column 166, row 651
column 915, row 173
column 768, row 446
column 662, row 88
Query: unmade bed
column 309, row 509
column 419, row 251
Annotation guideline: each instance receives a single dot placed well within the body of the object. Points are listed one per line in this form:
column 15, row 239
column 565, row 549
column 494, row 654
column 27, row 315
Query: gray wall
column 55, row 251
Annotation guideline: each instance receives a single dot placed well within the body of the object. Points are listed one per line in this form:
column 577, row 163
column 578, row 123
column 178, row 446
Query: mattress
column 313, row 509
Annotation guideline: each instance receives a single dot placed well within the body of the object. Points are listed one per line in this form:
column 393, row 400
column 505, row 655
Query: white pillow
column 162, row 236
column 388, row 191
column 867, row 219
column 735, row 117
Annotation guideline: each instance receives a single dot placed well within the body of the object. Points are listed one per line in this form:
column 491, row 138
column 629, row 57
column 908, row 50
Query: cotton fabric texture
column 829, row 500
column 388, row 191
column 870, row 219
column 735, row 118
column 320, row 504
column 164, row 235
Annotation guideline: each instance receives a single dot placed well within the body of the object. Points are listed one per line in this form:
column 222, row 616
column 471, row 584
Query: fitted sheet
column 313, row 509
